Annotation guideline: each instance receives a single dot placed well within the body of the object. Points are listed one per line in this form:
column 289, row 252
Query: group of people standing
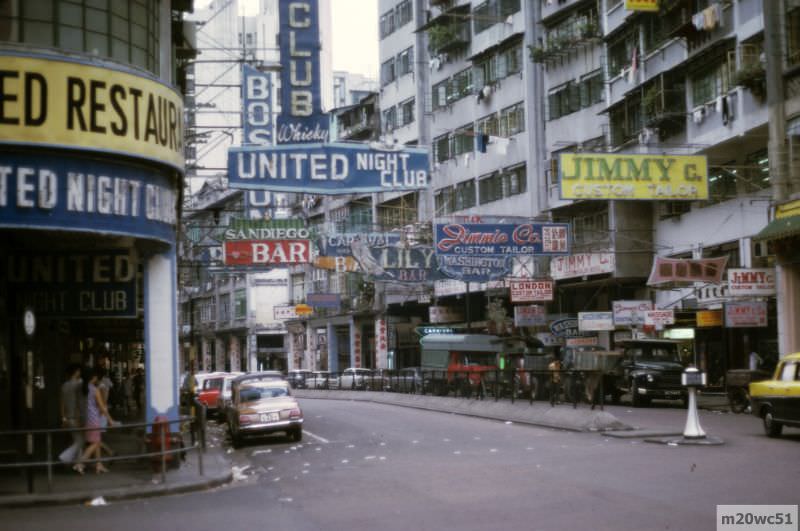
column 85, row 404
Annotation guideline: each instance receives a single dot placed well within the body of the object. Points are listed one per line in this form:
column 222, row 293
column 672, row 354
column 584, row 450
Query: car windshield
column 656, row 353
column 251, row 394
column 215, row 383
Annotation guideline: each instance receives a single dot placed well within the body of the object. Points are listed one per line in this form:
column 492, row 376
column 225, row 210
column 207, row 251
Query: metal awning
column 780, row 228
column 496, row 46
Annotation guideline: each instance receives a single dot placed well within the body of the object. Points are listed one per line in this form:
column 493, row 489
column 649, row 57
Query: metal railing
column 160, row 455
column 572, row 386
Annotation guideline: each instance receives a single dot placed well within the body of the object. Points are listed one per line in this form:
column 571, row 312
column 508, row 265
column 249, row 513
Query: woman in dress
column 96, row 409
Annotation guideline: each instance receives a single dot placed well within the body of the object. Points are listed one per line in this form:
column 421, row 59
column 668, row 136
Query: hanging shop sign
column 257, row 118
column 266, row 252
column 381, row 343
column 566, row 327
column 531, row 315
column 284, row 312
column 530, row 290
column 69, row 192
column 276, row 229
column 746, row 314
column 548, row 339
column 751, row 282
column 623, row 176
column 507, row 239
column 330, row 169
column 260, row 204
column 659, row 318
column 69, row 103
column 341, row 244
column 709, row 318
column 581, row 265
column 331, row 301
column 630, row 313
column 444, row 314
column 595, row 321
column 303, row 310
column 474, row 268
column 396, row 264
column 687, row 271
column 711, row 295
column 340, row 264
column 74, row 285
column 301, row 119
column 588, row 341
column 642, row 5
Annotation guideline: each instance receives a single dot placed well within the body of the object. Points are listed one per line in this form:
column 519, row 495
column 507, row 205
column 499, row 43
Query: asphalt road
column 364, row 466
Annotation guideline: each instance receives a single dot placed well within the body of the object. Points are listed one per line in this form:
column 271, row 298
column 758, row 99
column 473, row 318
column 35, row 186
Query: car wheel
column 296, row 435
column 236, row 440
column 636, row 400
column 772, row 427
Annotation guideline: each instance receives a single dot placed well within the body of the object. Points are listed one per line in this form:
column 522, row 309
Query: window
column 396, row 18
column 443, row 200
column 407, row 112
column 389, row 119
column 721, row 183
column 498, row 65
column 491, row 12
column 488, row 125
column 710, row 82
column 240, row 304
column 387, row 24
column 515, row 181
column 564, row 100
column 463, row 140
column 405, row 62
column 591, row 89
column 441, row 148
column 298, row 288
column 225, row 307
column 388, row 72
column 793, row 35
column 758, row 170
column 512, row 120
column 460, row 85
column 590, row 228
column 249, row 39
column 403, row 13
column 482, row 17
column 465, row 195
column 490, row 188
column 620, row 53
column 440, row 94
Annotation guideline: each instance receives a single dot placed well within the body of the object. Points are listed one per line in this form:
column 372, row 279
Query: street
column 367, row 466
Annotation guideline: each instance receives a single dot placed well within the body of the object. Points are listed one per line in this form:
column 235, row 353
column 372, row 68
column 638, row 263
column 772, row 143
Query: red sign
column 528, row 290
column 266, row 252
column 683, row 271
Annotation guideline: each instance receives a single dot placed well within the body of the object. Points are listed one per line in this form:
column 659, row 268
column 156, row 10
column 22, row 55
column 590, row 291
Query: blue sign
column 341, row 244
column 70, row 192
column 75, row 284
column 474, row 268
column 301, row 119
column 485, row 239
column 324, row 300
column 335, row 168
column 257, row 106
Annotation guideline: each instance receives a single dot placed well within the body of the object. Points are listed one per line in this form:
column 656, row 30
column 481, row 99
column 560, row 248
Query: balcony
column 448, row 38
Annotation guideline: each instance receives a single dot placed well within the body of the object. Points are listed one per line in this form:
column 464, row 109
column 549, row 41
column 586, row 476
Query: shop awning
column 780, row 228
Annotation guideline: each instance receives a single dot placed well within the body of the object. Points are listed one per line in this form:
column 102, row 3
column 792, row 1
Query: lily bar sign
column 335, row 168
column 621, row 176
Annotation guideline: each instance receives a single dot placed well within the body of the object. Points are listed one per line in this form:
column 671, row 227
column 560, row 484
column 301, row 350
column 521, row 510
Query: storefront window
column 240, row 304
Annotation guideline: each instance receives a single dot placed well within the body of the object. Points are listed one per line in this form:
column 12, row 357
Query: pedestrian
column 755, row 361
column 555, row 378
column 96, row 408
column 138, row 388
column 71, row 413
column 104, row 385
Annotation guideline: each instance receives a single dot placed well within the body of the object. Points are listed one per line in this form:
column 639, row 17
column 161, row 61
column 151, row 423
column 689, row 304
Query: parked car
column 379, row 380
column 186, row 394
column 261, row 407
column 297, row 378
column 408, row 380
column 318, row 380
column 353, row 378
column 227, row 396
column 777, row 401
column 210, row 393
column 650, row 368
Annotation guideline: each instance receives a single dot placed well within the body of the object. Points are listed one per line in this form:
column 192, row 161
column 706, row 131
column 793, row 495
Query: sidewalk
column 125, row 479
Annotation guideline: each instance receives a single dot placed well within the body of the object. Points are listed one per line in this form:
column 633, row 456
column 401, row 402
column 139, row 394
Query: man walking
column 72, row 412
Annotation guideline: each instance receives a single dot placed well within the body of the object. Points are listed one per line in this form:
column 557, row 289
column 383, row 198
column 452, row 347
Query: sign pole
column 466, row 296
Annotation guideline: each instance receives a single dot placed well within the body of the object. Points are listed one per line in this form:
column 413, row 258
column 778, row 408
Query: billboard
column 335, row 168
column 301, row 119
column 503, row 239
column 624, row 176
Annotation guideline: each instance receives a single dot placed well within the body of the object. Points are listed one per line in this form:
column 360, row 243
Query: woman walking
column 96, row 409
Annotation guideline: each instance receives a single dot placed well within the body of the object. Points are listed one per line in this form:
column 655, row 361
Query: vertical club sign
column 301, row 119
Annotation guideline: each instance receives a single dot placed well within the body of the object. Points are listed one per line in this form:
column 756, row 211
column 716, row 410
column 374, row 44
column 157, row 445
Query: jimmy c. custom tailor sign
column 621, row 176
column 63, row 102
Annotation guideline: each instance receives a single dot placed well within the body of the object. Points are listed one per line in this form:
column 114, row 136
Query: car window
column 214, row 383
column 788, row 372
column 250, row 394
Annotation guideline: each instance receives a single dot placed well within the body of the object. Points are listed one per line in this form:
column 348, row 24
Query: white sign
column 589, row 341
column 712, row 296
column 532, row 315
column 745, row 314
column 381, row 343
column 751, row 282
column 659, row 318
column 595, row 321
column 445, row 314
column 530, row 290
column 284, row 313
column 628, row 313
column 581, row 265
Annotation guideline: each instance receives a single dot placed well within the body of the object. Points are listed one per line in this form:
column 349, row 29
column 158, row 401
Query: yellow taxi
column 777, row 401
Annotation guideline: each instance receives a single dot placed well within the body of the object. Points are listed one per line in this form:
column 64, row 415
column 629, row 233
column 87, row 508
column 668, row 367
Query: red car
column 210, row 393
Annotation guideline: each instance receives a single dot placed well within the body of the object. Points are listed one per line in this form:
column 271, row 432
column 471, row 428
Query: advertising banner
column 474, row 268
column 624, row 176
column 751, row 282
column 257, row 117
column 335, row 168
column 687, row 271
column 301, row 119
column 641, row 5
column 530, row 290
column 532, row 315
column 284, row 312
column 74, row 285
column 507, row 239
column 659, row 318
column 595, row 321
column 746, row 314
column 581, row 265
column 628, row 313
column 324, row 300
column 71, row 192
column 266, row 252
column 68, row 102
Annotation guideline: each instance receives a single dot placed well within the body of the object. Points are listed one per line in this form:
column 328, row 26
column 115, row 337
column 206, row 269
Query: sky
column 355, row 34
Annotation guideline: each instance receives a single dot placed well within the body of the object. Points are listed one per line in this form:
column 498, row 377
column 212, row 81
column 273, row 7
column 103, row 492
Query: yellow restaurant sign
column 58, row 102
column 641, row 5
column 621, row 176
column 788, row 210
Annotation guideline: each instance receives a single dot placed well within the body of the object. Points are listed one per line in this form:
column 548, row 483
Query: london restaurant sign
column 335, row 168
column 56, row 101
column 506, row 239
column 623, row 176
column 530, row 290
column 301, row 119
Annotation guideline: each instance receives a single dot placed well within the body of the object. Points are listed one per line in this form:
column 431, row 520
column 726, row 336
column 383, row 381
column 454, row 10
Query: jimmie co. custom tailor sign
column 484, row 239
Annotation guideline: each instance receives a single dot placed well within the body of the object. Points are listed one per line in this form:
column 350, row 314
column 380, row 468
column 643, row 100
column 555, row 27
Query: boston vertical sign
column 301, row 119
